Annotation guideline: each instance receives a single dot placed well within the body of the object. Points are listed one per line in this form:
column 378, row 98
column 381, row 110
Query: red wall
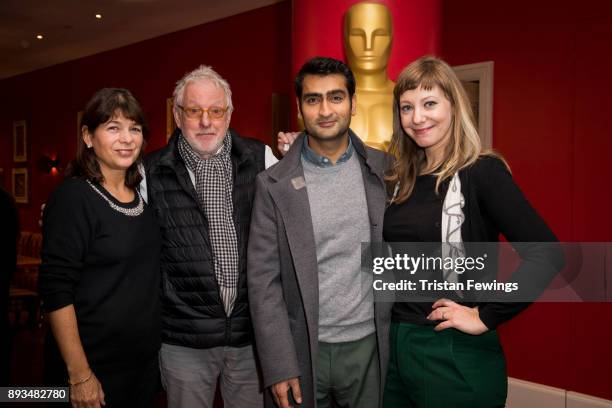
column 551, row 96
column 318, row 31
column 251, row 50
column 551, row 91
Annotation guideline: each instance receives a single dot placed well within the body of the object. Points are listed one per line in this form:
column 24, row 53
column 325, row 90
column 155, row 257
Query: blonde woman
column 447, row 353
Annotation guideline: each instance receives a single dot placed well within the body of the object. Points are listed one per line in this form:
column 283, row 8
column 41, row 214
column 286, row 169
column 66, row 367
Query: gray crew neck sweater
column 340, row 221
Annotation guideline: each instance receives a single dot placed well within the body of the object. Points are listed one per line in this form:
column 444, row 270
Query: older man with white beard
column 201, row 186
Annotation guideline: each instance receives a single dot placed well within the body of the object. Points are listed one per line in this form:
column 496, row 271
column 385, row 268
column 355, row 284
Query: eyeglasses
column 214, row 112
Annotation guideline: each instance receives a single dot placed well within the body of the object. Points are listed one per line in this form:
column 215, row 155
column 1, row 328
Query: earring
column 89, row 146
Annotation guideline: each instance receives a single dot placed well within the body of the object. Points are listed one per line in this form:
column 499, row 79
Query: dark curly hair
column 324, row 66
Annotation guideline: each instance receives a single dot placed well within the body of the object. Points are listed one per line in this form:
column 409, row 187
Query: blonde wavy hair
column 463, row 147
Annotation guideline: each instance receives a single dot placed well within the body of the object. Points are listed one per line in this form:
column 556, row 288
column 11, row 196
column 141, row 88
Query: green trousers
column 348, row 375
column 429, row 369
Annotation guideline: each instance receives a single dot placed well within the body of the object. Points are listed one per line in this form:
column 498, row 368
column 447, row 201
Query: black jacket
column 192, row 311
column 493, row 204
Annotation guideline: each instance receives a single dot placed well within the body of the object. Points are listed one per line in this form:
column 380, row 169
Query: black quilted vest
column 192, row 312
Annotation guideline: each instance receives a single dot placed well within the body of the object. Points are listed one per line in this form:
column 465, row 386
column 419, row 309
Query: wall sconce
column 49, row 165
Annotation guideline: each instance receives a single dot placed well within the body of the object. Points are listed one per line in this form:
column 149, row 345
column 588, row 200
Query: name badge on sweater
column 298, row 182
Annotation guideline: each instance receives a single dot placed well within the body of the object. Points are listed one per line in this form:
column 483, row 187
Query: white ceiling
column 71, row 30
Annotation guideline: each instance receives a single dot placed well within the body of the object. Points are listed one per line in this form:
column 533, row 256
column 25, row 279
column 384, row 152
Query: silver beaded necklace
column 130, row 212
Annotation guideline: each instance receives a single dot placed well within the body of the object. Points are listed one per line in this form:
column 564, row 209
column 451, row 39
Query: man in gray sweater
column 321, row 339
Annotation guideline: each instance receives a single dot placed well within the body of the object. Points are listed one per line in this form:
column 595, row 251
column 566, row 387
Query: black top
column 106, row 264
column 415, row 220
column 493, row 205
column 418, row 218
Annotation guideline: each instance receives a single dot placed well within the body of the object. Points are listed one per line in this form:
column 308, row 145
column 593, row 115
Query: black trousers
column 130, row 387
column 125, row 385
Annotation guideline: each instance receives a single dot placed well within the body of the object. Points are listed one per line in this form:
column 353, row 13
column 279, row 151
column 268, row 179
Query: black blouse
column 415, row 220
column 106, row 264
column 493, row 204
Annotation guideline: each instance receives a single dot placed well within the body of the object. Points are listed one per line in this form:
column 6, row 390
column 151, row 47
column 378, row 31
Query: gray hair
column 203, row 72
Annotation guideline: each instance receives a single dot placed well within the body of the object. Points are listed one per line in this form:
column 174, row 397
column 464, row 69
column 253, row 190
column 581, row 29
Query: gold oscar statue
column 367, row 42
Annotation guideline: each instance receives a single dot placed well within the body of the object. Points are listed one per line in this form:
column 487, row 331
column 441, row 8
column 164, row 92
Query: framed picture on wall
column 477, row 79
column 170, row 123
column 20, row 146
column 20, row 185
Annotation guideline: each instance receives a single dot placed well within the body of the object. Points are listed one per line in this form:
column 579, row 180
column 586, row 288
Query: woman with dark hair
column 446, row 189
column 99, row 277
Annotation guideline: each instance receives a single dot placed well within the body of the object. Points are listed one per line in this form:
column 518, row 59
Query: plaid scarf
column 213, row 184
